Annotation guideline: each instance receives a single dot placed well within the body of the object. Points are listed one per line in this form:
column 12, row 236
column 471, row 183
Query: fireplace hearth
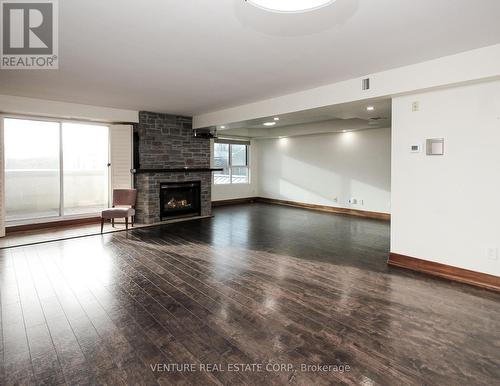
column 180, row 199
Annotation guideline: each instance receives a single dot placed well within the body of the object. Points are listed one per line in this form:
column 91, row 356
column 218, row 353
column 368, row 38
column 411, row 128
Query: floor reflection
column 255, row 284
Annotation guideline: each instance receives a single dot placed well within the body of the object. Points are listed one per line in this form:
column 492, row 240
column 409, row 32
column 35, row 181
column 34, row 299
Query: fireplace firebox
column 180, row 199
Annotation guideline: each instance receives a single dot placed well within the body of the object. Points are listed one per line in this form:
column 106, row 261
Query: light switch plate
column 435, row 146
column 492, row 253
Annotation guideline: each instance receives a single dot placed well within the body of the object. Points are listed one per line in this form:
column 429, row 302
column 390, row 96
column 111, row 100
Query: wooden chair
column 121, row 197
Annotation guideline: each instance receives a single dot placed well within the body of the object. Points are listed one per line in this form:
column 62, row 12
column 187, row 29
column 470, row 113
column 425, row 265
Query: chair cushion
column 117, row 213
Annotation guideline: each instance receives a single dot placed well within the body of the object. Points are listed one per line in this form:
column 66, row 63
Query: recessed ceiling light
column 290, row 5
column 370, row 108
column 269, row 123
column 223, row 127
column 344, row 131
column 276, row 118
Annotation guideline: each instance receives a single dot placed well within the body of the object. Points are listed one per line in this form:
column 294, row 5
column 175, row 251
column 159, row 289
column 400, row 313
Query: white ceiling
column 194, row 56
column 329, row 119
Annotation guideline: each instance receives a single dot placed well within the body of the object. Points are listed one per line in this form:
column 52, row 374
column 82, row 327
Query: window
column 232, row 157
column 54, row 169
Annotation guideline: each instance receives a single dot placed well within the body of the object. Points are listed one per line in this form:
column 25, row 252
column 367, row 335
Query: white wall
column 446, row 209
column 315, row 169
column 235, row 191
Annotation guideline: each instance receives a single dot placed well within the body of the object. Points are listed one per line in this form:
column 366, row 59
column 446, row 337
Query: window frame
column 230, row 143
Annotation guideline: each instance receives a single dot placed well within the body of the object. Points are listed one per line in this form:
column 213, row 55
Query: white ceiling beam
column 471, row 66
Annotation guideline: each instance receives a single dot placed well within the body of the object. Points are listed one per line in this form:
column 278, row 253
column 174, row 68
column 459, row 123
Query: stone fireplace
column 170, row 157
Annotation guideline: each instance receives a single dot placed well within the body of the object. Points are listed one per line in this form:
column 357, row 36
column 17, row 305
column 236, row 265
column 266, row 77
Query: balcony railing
column 221, row 179
column 35, row 193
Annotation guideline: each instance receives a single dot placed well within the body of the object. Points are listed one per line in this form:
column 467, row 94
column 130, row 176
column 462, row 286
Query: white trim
column 61, row 171
column 52, row 119
column 43, row 220
column 233, row 141
column 63, row 110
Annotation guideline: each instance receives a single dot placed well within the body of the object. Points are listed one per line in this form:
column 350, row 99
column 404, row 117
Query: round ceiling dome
column 290, row 6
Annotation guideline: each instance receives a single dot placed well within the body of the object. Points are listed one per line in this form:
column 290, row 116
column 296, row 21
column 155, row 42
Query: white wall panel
column 446, row 209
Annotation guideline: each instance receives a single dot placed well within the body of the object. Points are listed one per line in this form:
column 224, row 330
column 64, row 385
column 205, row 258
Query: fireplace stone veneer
column 148, row 194
column 167, row 142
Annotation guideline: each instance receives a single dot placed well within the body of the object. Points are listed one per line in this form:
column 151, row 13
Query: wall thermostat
column 435, row 146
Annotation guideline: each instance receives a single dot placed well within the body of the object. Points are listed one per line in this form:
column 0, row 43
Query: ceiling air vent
column 365, row 84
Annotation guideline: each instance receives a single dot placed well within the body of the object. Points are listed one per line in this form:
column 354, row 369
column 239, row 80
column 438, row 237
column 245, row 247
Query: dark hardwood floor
column 257, row 284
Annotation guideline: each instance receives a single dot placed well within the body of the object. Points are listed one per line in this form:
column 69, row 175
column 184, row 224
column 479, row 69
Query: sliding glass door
column 85, row 168
column 32, row 169
column 54, row 169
